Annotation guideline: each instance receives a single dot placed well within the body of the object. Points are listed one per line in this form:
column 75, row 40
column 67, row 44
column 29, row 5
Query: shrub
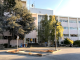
column 5, row 45
column 68, row 41
column 77, row 42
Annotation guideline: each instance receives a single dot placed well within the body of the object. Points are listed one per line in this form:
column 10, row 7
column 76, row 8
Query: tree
column 19, row 20
column 44, row 30
column 1, row 17
column 68, row 41
column 77, row 42
column 47, row 29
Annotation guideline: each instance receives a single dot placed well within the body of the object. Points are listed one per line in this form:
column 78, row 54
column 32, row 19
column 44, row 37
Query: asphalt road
column 64, row 54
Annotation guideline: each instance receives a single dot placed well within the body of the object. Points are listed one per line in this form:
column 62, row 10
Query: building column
column 69, row 27
column 37, row 29
column 48, row 17
column 78, row 28
column 58, row 18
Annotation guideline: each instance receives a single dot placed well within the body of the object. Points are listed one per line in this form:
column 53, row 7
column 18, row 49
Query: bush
column 5, row 45
column 68, row 41
column 77, row 42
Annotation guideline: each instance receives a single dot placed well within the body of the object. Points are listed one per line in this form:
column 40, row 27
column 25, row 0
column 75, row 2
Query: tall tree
column 20, row 21
column 47, row 30
column 44, row 30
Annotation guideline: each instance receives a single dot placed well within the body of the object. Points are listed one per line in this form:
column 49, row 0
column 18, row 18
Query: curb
column 56, row 51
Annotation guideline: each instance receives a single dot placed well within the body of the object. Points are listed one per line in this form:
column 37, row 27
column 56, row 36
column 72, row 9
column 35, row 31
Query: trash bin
column 21, row 45
column 24, row 45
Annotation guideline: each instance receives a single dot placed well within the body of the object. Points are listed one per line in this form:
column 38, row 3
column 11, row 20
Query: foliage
column 9, row 3
column 77, row 42
column 44, row 29
column 68, row 41
column 47, row 29
column 59, row 28
column 20, row 20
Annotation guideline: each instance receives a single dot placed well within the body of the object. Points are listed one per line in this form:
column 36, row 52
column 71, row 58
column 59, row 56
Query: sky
column 60, row 7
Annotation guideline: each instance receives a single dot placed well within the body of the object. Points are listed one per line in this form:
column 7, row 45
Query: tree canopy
column 47, row 29
column 18, row 18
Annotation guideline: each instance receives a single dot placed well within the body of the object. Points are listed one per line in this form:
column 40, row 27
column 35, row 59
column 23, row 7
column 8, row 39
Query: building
column 71, row 24
column 71, row 27
column 37, row 14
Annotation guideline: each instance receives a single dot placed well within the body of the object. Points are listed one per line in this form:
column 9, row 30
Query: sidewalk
column 35, row 48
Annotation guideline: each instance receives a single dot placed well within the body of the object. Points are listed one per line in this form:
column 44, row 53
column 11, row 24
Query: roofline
column 67, row 16
column 56, row 15
column 42, row 9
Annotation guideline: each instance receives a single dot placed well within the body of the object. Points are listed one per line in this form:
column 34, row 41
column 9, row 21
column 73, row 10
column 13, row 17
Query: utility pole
column 55, row 38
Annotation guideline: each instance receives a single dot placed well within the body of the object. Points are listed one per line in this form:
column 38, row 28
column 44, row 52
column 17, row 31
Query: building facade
column 37, row 14
column 71, row 27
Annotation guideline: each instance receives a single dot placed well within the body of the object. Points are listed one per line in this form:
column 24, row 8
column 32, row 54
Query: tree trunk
column 9, row 39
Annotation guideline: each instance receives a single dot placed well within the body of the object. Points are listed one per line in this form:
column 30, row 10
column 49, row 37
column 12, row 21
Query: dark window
column 73, row 35
column 5, row 37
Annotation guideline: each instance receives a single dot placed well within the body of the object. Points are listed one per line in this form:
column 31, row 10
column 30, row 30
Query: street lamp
column 55, row 38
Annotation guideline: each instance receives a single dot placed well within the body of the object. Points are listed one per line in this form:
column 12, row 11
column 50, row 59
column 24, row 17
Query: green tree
column 44, row 30
column 47, row 29
column 68, row 41
column 77, row 42
column 19, row 21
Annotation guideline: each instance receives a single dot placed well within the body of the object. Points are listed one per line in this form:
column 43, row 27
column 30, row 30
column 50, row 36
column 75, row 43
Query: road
column 64, row 54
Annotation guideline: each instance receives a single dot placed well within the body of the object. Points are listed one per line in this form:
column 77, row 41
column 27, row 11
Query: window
column 73, row 35
column 5, row 37
column 63, row 20
column 72, row 21
column 79, row 28
column 73, row 28
column 65, row 27
column 79, row 21
column 66, row 35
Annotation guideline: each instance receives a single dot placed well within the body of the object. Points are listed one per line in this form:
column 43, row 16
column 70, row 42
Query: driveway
column 64, row 54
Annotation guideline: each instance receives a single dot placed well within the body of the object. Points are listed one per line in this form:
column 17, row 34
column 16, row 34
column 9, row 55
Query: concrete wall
column 24, row 3
column 12, row 42
column 34, row 33
column 41, row 11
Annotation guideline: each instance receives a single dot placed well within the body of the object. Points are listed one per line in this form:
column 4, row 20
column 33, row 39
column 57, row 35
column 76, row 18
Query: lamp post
column 55, row 38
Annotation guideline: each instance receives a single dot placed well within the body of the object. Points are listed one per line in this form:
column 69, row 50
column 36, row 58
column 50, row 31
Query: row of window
column 73, row 28
column 70, row 21
column 72, row 35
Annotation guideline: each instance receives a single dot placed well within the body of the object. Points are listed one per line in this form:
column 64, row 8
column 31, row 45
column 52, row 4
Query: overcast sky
column 60, row 7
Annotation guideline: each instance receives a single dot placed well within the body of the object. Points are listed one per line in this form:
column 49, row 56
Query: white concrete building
column 71, row 26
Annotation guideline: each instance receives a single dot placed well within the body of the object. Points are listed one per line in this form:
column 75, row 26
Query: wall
column 41, row 11
column 12, row 42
